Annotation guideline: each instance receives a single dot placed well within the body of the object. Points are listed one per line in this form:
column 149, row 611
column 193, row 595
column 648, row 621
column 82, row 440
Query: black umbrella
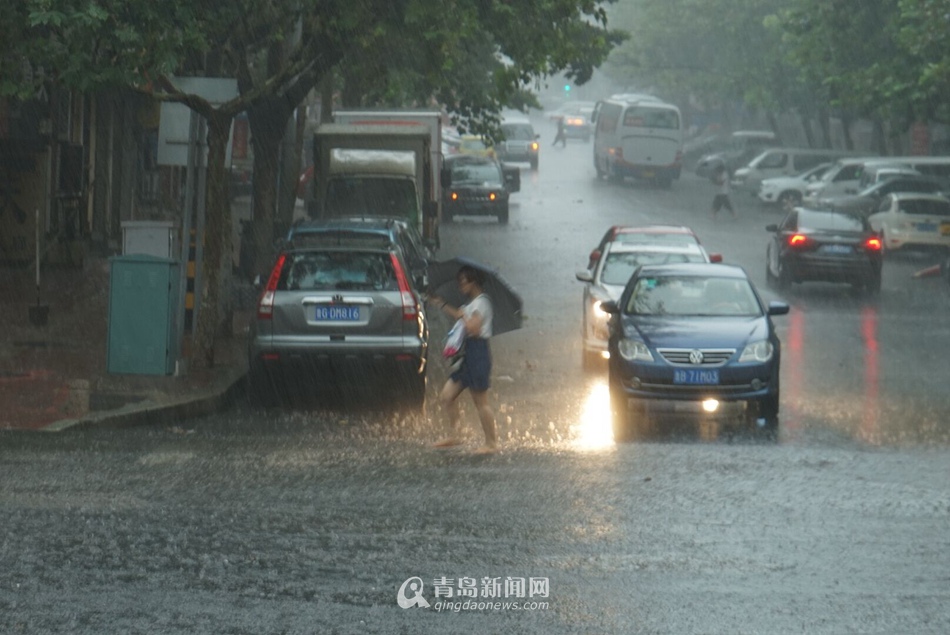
column 506, row 303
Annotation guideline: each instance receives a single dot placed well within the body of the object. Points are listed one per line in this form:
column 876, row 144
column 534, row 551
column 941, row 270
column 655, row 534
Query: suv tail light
column 409, row 309
column 265, row 306
column 873, row 244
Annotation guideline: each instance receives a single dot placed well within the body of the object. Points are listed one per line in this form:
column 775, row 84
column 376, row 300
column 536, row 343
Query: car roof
column 374, row 224
column 653, row 229
column 918, row 195
column 469, row 158
column 703, row 269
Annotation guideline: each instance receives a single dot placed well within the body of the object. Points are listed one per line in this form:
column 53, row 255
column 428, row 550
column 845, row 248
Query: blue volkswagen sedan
column 693, row 341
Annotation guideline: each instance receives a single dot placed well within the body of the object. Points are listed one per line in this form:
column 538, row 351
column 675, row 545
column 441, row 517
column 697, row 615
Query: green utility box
column 143, row 309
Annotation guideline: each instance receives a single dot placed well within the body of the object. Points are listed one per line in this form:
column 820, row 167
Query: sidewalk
column 54, row 377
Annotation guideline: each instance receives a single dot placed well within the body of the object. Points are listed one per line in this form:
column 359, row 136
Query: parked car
column 339, row 316
column 867, row 200
column 824, row 245
column 913, row 220
column 693, row 340
column 367, row 231
column 778, row 162
column 788, row 191
column 842, row 177
column 607, row 279
column 477, row 186
column 742, row 147
column 520, row 143
column 647, row 235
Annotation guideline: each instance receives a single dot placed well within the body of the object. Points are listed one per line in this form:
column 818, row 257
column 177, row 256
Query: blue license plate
column 696, row 377
column 836, row 249
column 927, row 227
column 337, row 314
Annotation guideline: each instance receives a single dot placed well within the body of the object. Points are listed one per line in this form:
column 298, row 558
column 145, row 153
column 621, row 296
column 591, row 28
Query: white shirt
column 480, row 305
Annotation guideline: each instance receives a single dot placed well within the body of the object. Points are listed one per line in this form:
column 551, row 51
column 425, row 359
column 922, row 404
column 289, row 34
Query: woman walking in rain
column 475, row 370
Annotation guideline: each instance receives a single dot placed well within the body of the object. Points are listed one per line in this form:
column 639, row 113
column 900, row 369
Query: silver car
column 332, row 317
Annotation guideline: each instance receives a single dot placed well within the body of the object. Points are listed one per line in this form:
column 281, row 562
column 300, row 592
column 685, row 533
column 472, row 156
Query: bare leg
column 487, row 418
column 449, row 400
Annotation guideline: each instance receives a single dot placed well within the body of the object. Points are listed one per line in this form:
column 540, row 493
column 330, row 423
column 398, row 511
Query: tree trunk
column 824, row 121
column 216, row 264
column 268, row 122
column 846, row 130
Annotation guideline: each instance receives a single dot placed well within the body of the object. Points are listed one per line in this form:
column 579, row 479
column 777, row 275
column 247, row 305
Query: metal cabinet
column 143, row 309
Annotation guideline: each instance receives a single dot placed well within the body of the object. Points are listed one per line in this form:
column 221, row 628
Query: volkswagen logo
column 695, row 357
column 338, row 299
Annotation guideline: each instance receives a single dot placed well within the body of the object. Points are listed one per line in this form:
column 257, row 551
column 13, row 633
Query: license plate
column 692, row 376
column 648, row 174
column 927, row 227
column 836, row 249
column 337, row 313
column 945, row 229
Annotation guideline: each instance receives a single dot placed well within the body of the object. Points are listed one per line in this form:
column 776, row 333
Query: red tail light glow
column 409, row 309
column 798, row 240
column 873, row 244
column 265, row 306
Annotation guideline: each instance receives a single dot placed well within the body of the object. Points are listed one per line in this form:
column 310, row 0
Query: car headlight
column 760, row 351
column 634, row 350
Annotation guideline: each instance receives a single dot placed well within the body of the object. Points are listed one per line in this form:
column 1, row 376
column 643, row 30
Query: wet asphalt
column 311, row 519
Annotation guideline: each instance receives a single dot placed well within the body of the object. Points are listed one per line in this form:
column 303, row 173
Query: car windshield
column 619, row 266
column 337, row 270
column 825, row 221
column 517, row 132
column 692, row 296
column 469, row 172
column 640, row 117
column 355, row 196
column 927, row 207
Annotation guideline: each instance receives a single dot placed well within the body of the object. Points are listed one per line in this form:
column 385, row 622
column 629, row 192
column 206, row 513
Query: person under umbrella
column 475, row 370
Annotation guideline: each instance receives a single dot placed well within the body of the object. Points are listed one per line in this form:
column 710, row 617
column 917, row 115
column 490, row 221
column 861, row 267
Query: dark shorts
column 720, row 201
column 475, row 372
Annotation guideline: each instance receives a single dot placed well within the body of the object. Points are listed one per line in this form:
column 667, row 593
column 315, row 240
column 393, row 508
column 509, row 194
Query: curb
column 213, row 401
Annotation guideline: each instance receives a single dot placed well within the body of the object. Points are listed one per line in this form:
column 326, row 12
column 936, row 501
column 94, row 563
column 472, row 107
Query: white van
column 776, row 162
column 640, row 138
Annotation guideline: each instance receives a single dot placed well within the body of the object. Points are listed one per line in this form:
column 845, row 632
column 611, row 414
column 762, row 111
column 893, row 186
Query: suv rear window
column 338, row 270
column 518, row 131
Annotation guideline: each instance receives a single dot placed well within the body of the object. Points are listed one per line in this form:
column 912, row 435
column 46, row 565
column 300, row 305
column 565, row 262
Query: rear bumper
column 818, row 269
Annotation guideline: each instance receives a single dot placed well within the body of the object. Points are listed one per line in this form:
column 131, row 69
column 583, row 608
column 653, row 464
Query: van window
column 941, row 170
column 637, row 117
column 607, row 118
column 848, row 173
column 518, row 131
column 807, row 161
column 773, row 161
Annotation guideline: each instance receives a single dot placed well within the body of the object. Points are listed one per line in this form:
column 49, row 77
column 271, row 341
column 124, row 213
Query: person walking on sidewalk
column 475, row 371
column 721, row 179
column 560, row 137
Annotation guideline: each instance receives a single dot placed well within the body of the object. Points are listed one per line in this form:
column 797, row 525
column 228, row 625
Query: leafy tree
column 280, row 50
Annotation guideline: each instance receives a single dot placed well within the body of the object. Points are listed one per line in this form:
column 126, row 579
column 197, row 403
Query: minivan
column 640, row 138
column 781, row 162
column 928, row 166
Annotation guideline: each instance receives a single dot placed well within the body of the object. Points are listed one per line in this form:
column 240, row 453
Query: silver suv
column 332, row 317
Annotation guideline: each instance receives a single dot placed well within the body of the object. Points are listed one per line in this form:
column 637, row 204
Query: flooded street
column 342, row 519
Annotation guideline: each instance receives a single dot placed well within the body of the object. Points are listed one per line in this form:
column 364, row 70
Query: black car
column 824, row 245
column 694, row 341
column 477, row 186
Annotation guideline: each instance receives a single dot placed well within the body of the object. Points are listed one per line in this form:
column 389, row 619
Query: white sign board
column 175, row 124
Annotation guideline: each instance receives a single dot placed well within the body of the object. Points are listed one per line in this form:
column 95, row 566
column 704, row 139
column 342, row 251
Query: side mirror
column 536, row 136
column 771, row 228
column 512, row 176
column 610, row 306
column 258, row 281
column 715, row 257
column 778, row 308
column 584, row 275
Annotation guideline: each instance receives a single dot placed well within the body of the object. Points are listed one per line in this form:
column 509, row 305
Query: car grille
column 711, row 356
column 476, row 198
